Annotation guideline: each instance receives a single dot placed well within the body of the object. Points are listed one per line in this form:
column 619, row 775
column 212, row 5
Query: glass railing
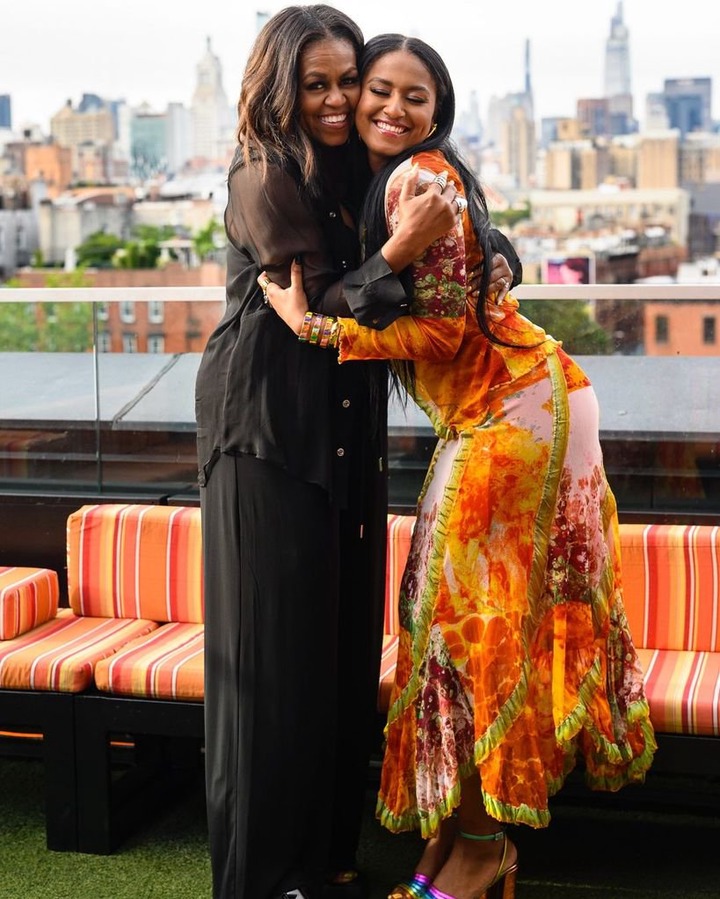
column 97, row 391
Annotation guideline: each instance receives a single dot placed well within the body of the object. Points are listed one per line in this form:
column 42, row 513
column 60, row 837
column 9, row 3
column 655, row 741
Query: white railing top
column 697, row 291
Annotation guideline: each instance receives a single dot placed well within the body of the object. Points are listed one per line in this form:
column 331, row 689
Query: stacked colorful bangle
column 320, row 330
column 306, row 327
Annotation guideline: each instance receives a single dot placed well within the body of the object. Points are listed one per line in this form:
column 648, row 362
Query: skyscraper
column 617, row 57
column 618, row 91
column 5, row 111
column 212, row 115
column 688, row 103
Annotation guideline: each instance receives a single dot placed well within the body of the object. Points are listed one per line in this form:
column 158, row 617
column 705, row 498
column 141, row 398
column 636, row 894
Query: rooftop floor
column 597, row 846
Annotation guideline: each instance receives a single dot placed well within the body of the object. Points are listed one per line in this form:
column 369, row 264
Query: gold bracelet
column 326, row 329
column 316, row 328
column 334, row 337
column 305, row 327
column 320, row 330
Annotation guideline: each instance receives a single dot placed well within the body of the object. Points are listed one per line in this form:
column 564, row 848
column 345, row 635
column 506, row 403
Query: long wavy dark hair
column 268, row 109
column 374, row 226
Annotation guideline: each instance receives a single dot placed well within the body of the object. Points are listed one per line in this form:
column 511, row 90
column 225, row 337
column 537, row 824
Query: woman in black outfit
column 292, row 458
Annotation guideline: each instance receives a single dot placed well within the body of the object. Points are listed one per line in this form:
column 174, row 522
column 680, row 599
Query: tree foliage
column 570, row 322
column 98, row 249
column 48, row 327
column 507, row 218
column 204, row 239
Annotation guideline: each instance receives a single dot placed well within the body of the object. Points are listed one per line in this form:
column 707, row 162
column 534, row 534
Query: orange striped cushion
column 61, row 654
column 136, row 561
column 399, row 533
column 388, row 664
column 671, row 578
column 28, row 597
column 166, row 664
column 683, row 690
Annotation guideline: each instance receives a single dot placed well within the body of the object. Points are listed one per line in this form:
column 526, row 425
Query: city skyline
column 144, row 52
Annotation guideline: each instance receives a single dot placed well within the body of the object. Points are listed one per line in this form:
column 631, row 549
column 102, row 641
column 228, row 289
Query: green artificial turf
column 166, row 859
column 596, row 847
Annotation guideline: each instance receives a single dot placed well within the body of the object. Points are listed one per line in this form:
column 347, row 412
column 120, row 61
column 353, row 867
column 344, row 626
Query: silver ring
column 441, row 180
column 461, row 204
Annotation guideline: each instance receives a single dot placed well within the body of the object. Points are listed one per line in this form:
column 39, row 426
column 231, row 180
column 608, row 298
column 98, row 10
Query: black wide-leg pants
column 292, row 643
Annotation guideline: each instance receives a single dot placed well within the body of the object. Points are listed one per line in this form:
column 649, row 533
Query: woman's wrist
column 401, row 249
column 319, row 330
column 297, row 322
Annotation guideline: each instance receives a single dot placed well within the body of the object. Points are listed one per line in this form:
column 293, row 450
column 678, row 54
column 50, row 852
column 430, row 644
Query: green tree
column 508, row 218
column 569, row 321
column 18, row 327
column 204, row 239
column 143, row 251
column 98, row 249
column 137, row 254
column 48, row 327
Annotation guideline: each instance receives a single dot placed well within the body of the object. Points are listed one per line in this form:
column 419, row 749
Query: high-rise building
column 656, row 117
column 688, row 104
column 179, row 136
column 517, row 147
column 618, row 89
column 659, row 160
column 468, row 121
column 72, row 128
column 213, row 120
column 500, row 109
column 148, row 142
column 617, row 57
column 5, row 111
column 594, row 116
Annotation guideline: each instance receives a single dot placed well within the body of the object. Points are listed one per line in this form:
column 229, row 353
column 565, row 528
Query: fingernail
column 298, row 260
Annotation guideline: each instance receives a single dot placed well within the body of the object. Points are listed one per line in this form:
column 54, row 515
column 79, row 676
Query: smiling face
column 329, row 90
column 397, row 106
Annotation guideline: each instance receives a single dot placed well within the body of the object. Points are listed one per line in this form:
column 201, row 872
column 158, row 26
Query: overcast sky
column 147, row 50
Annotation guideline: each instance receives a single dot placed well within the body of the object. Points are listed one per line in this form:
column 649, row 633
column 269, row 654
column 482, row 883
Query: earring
column 432, row 130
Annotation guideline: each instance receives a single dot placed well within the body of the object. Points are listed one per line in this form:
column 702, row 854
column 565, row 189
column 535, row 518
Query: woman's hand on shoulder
column 430, row 213
column 290, row 303
column 421, row 218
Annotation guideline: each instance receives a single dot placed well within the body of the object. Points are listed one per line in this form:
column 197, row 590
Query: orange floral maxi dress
column 515, row 657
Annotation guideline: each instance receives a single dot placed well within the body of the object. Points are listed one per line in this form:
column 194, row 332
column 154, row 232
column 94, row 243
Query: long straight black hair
column 374, row 226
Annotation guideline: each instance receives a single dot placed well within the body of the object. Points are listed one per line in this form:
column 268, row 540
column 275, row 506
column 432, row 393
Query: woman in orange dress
column 515, row 658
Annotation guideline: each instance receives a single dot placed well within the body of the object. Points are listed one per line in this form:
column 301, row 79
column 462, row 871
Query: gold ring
column 265, row 283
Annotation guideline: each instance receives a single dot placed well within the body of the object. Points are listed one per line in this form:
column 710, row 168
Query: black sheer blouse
column 259, row 390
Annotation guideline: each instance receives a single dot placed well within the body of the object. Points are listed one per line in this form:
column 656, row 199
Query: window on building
column 130, row 343
column 709, row 329
column 156, row 312
column 156, row 343
column 127, row 311
column 662, row 329
column 103, row 342
column 102, row 312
